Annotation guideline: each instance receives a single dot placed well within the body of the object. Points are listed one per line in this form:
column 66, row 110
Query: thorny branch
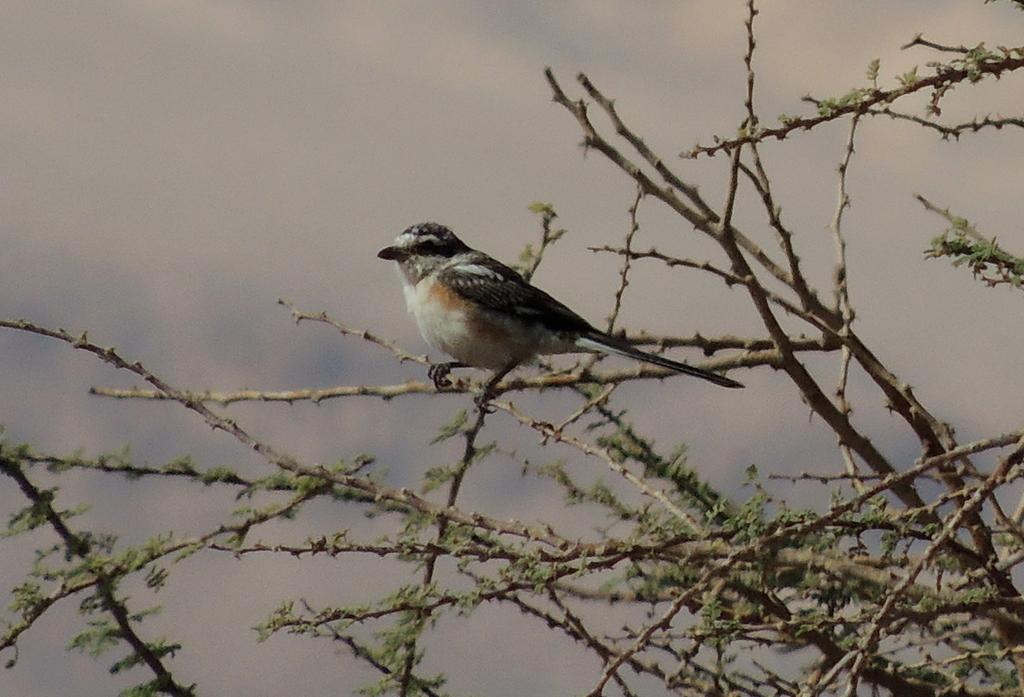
column 935, row 436
column 944, row 78
column 105, row 584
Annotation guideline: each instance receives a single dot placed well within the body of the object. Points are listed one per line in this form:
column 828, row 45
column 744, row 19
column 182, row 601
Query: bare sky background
column 169, row 169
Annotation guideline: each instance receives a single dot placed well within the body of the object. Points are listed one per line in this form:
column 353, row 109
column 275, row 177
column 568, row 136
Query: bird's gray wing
column 490, row 283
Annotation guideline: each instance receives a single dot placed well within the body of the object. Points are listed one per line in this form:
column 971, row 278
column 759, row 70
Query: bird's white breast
column 442, row 326
column 472, row 335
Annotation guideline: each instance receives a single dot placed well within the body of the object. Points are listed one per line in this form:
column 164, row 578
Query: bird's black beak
column 391, row 253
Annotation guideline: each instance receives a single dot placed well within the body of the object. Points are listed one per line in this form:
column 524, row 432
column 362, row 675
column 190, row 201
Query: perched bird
column 485, row 315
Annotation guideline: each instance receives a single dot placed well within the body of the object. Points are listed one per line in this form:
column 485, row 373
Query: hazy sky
column 169, row 169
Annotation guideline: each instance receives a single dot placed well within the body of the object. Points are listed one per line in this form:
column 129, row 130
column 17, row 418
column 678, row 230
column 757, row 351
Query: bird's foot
column 438, row 373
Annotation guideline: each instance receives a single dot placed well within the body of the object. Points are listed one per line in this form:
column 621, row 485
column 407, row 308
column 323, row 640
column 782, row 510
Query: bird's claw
column 438, row 374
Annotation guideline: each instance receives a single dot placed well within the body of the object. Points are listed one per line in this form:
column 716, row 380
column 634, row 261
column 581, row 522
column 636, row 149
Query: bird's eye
column 433, row 247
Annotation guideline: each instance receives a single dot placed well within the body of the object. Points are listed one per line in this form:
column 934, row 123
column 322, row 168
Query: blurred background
column 170, row 169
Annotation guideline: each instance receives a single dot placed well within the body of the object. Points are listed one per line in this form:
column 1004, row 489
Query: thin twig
column 322, row 317
column 875, row 97
column 841, row 296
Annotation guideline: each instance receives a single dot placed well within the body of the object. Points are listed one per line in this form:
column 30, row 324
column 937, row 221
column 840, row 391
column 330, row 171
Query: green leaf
column 452, row 428
column 872, row 71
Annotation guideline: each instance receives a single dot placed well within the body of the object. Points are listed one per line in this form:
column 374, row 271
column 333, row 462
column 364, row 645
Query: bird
column 484, row 314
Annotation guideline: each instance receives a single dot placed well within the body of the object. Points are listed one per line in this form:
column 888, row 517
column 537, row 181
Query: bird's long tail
column 603, row 343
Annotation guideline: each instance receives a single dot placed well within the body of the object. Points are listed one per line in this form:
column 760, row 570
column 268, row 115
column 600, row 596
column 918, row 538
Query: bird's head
column 422, row 248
